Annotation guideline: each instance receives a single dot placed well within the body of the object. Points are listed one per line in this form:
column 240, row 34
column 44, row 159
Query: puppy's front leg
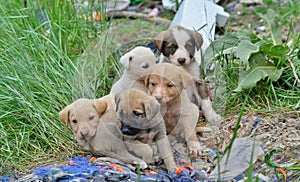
column 165, row 152
column 193, row 144
column 189, row 122
column 205, row 103
column 208, row 112
column 109, row 142
column 140, row 149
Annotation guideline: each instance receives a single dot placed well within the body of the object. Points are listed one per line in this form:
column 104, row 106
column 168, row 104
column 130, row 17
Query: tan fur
column 171, row 38
column 83, row 115
column 135, row 63
column 168, row 84
column 97, row 128
column 141, row 112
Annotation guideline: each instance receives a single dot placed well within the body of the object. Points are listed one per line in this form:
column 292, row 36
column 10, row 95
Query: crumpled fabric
column 83, row 169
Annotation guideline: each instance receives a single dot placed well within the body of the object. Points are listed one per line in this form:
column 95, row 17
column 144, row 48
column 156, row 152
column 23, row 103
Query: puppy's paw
column 170, row 164
column 213, row 116
column 194, row 147
column 143, row 164
column 208, row 112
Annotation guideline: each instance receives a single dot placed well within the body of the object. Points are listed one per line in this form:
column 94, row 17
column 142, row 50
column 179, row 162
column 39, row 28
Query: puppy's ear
column 158, row 40
column 101, row 106
column 198, row 39
column 151, row 107
column 145, row 79
column 185, row 78
column 126, row 59
column 64, row 114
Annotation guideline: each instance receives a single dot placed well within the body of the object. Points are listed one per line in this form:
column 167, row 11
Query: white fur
column 133, row 63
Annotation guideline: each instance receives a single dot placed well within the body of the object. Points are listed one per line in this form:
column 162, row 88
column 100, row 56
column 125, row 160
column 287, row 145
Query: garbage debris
column 202, row 16
column 115, row 5
column 237, row 160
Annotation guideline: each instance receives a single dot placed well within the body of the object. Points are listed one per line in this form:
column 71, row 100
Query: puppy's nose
column 181, row 60
column 158, row 97
column 84, row 133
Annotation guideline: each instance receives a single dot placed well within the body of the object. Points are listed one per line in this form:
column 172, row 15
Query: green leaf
column 259, row 69
column 245, row 49
column 225, row 44
column 275, row 164
column 268, row 158
column 277, row 51
column 272, row 26
column 248, row 35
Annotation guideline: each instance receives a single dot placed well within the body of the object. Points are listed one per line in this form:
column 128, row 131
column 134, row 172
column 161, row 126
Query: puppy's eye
column 91, row 117
column 74, row 121
column 153, row 84
column 172, row 47
column 170, row 85
column 137, row 114
column 145, row 66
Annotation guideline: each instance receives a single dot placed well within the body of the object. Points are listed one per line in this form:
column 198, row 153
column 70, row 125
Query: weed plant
column 39, row 75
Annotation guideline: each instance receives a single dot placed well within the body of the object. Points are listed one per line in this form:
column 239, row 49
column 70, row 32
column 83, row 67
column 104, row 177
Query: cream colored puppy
column 97, row 128
column 83, row 115
column 168, row 83
column 135, row 63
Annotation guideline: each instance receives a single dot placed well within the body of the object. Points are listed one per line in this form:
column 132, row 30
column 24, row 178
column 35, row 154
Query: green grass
column 41, row 73
column 37, row 74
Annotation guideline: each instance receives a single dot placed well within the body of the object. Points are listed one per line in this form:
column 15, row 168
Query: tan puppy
column 141, row 120
column 168, row 83
column 84, row 114
column 135, row 63
column 97, row 128
column 182, row 47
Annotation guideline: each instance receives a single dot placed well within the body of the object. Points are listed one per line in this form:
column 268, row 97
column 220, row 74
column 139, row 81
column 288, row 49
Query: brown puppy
column 135, row 63
column 97, row 128
column 168, row 83
column 141, row 120
column 182, row 47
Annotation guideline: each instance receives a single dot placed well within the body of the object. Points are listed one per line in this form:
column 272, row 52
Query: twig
column 294, row 71
column 134, row 15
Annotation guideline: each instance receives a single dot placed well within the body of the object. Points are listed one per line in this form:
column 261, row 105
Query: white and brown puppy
column 135, row 63
column 181, row 47
column 97, row 128
column 141, row 120
column 168, row 83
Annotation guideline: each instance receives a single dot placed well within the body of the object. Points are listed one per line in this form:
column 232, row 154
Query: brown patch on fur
column 202, row 89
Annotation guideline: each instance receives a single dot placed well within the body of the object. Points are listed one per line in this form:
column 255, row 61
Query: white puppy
column 135, row 63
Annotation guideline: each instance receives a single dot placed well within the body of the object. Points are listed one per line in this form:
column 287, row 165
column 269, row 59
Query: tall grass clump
column 39, row 45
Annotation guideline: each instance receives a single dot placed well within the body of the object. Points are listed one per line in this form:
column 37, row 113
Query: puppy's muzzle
column 128, row 130
column 181, row 60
